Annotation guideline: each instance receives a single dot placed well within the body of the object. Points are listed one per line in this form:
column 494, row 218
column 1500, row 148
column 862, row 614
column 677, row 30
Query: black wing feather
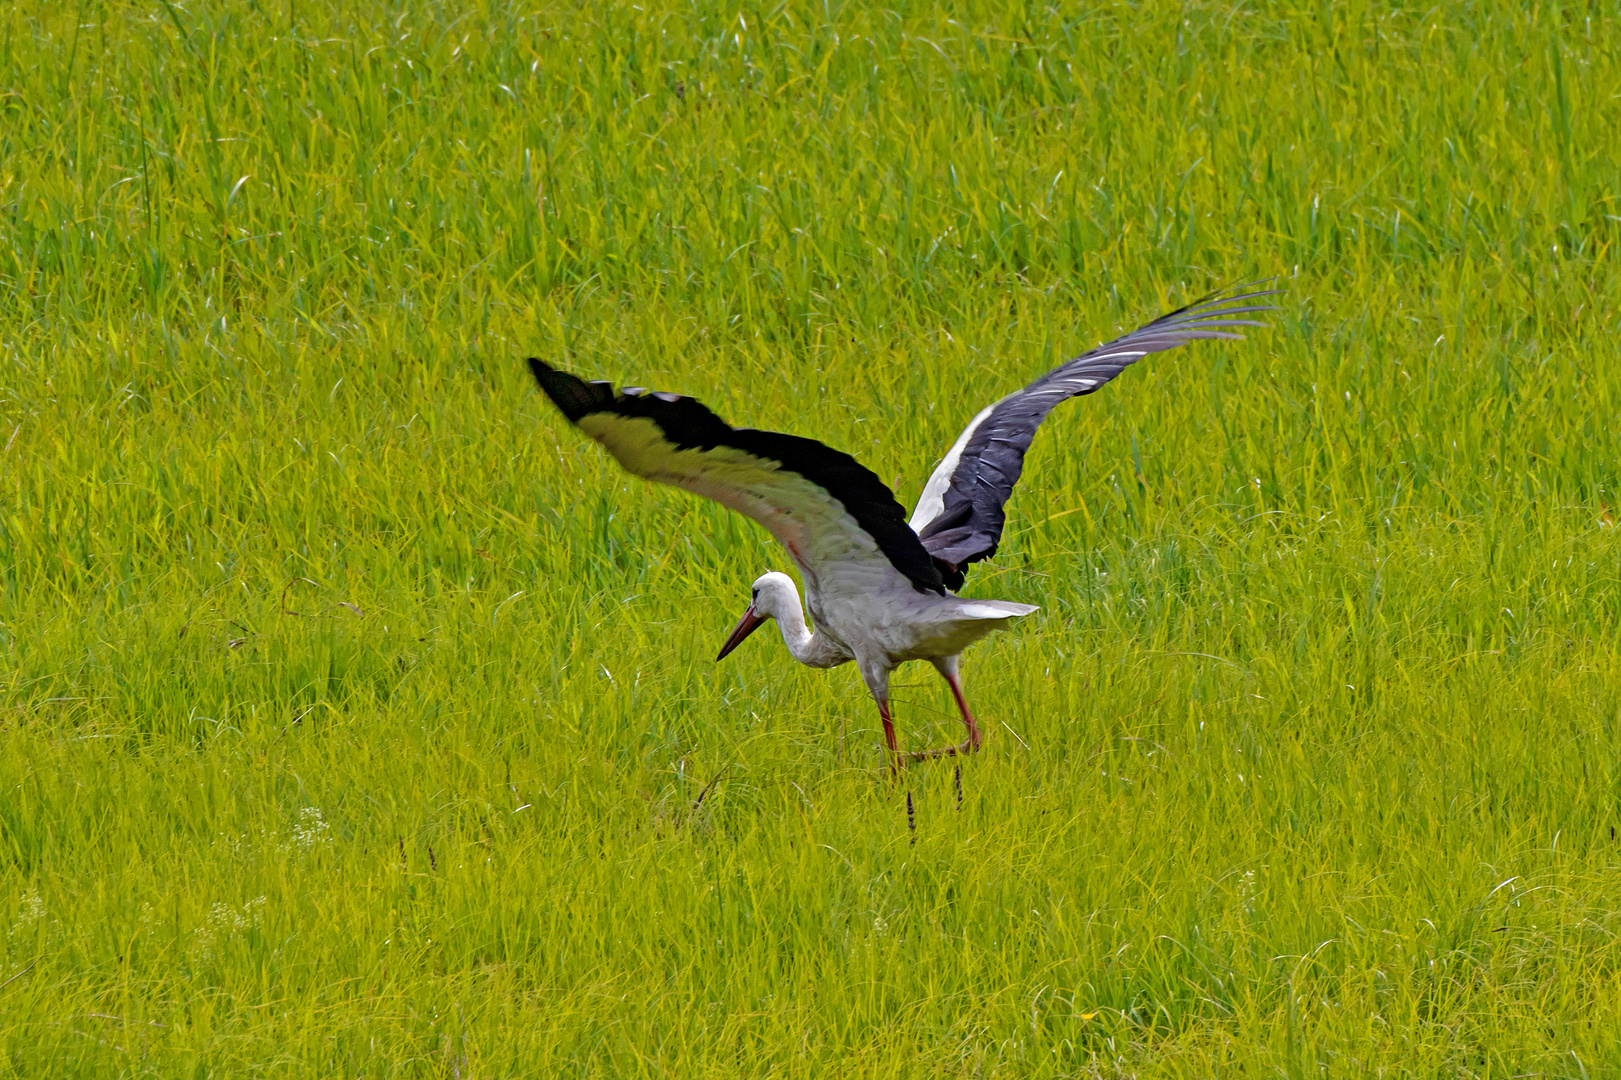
column 973, row 489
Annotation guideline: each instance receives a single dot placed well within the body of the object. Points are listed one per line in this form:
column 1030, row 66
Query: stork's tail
column 995, row 609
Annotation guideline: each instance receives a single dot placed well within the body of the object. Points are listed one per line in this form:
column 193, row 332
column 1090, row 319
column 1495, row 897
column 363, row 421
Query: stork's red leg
column 875, row 672
column 962, row 706
column 969, row 745
column 889, row 737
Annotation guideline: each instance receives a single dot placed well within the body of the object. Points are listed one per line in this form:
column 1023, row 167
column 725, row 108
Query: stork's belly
column 918, row 627
column 942, row 639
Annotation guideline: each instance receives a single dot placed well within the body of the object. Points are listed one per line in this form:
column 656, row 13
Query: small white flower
column 33, row 910
column 310, row 829
column 223, row 923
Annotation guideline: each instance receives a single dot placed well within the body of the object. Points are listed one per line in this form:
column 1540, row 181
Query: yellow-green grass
column 358, row 717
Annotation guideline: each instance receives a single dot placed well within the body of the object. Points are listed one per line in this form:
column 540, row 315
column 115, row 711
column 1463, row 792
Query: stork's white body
column 880, row 629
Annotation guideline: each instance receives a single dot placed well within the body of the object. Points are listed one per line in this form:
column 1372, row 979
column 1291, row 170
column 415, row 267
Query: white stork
column 879, row 587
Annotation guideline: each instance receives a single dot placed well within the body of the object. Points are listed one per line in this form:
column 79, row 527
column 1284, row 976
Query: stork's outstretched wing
column 835, row 517
column 959, row 516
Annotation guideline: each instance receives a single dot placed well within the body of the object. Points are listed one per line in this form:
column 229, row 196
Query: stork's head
column 771, row 591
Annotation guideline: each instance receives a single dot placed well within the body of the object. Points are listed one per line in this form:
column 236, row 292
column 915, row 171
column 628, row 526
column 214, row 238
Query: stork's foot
column 962, row 749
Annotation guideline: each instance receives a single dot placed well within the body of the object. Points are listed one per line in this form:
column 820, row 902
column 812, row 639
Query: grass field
column 355, row 711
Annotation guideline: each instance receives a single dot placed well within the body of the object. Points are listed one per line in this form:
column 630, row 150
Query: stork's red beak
column 748, row 624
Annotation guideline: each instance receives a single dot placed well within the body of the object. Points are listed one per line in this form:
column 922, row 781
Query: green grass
column 354, row 711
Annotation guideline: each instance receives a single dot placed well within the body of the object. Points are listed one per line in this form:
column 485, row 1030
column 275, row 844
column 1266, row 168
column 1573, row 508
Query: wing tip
column 544, row 373
column 573, row 396
column 1204, row 307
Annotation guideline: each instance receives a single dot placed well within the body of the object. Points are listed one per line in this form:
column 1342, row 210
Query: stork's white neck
column 796, row 634
column 777, row 598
